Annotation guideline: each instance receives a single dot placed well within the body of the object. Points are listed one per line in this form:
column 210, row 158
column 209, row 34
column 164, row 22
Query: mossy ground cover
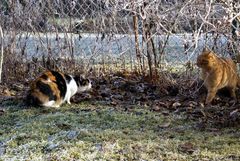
column 88, row 131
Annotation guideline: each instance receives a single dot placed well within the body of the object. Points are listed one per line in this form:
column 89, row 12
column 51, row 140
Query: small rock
column 2, row 148
column 72, row 134
column 51, row 146
column 99, row 147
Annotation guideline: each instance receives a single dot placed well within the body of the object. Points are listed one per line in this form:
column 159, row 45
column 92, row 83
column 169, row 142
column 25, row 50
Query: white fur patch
column 71, row 90
column 85, row 88
column 48, row 80
column 50, row 104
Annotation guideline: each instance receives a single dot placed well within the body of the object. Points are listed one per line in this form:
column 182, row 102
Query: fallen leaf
column 2, row 111
column 202, row 105
column 6, row 92
column 114, row 102
column 165, row 125
column 233, row 113
column 187, row 148
column 17, row 86
column 156, row 108
column 63, row 126
column 192, row 104
column 176, row 104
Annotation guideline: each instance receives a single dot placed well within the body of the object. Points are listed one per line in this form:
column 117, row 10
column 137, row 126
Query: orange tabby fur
column 217, row 73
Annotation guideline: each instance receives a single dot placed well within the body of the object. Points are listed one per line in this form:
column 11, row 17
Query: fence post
column 1, row 52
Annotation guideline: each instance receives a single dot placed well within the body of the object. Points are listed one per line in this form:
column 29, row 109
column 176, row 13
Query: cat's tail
column 31, row 100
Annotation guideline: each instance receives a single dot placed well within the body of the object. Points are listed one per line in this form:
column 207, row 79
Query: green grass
column 96, row 132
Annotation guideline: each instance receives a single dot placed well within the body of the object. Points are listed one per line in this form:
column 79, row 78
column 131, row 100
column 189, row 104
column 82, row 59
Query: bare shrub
column 149, row 37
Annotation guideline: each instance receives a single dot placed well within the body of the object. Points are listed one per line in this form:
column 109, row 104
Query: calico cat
column 54, row 88
column 217, row 73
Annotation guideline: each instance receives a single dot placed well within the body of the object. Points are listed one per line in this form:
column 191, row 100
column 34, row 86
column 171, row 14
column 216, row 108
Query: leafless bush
column 143, row 35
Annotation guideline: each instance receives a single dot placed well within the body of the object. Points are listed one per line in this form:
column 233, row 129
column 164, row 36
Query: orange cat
column 217, row 73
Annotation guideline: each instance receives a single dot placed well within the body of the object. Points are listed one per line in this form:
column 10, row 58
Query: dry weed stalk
column 1, row 52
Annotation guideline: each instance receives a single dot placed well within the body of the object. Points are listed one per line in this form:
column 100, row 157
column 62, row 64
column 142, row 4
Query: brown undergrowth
column 165, row 92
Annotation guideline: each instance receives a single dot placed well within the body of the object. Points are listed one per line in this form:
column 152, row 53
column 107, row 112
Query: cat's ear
column 206, row 49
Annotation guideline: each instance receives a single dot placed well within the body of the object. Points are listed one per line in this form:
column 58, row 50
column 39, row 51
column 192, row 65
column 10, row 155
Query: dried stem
column 1, row 52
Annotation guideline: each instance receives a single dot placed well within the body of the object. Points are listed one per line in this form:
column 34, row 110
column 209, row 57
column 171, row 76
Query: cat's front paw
column 208, row 102
column 56, row 106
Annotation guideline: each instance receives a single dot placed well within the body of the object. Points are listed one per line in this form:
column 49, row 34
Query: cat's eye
column 84, row 82
column 210, row 56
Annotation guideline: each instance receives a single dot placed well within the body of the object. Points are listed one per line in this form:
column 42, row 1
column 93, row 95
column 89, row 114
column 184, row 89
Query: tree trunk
column 235, row 25
column 1, row 52
column 136, row 34
column 147, row 40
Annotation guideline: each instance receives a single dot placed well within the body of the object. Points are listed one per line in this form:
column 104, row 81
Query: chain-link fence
column 142, row 34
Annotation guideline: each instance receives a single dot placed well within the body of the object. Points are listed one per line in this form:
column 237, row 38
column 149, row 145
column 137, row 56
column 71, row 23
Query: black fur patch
column 81, row 81
column 46, row 90
column 68, row 78
column 61, row 83
column 78, row 80
column 84, row 83
column 32, row 100
column 45, row 77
